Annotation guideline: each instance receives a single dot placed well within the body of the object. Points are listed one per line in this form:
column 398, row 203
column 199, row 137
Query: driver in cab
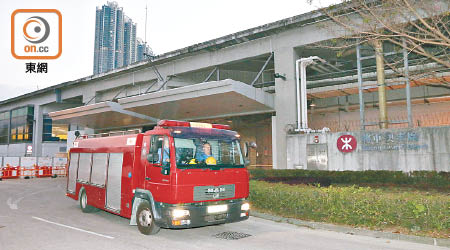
column 205, row 155
column 165, row 151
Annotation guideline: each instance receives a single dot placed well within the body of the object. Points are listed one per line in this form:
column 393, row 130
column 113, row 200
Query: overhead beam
column 118, row 108
column 262, row 69
column 151, row 86
column 210, row 74
column 120, row 92
column 90, row 100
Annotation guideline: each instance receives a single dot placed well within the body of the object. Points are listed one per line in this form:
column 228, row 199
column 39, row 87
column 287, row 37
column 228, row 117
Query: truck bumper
column 199, row 215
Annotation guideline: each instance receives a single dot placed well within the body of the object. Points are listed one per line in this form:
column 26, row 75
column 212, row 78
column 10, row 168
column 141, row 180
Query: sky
column 171, row 25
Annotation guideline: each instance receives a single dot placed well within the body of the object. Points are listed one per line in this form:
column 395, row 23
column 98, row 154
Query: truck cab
column 196, row 174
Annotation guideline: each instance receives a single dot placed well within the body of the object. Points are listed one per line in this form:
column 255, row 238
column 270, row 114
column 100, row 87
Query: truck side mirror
column 246, row 149
column 152, row 157
column 155, row 144
column 153, row 148
column 165, row 169
column 247, row 146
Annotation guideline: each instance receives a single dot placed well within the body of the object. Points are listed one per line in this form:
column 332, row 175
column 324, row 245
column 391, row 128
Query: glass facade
column 22, row 125
column 53, row 132
column 4, row 127
column 16, row 126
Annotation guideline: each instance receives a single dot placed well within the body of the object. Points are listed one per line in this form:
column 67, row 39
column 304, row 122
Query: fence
column 31, row 167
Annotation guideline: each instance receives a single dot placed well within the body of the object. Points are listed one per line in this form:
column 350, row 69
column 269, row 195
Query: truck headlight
column 245, row 207
column 179, row 213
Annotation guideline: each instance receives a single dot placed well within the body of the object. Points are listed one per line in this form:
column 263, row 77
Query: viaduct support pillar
column 285, row 103
column 37, row 130
column 378, row 45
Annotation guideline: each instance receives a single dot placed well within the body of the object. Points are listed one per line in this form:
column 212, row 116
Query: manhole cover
column 231, row 235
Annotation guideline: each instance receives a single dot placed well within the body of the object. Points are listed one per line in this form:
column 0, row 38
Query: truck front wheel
column 145, row 220
column 83, row 203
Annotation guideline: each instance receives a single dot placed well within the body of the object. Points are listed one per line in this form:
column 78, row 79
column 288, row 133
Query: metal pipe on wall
column 297, row 63
column 362, row 119
column 302, row 105
column 408, row 84
column 303, row 65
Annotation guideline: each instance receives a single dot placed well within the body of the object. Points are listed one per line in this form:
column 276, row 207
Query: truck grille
column 202, row 193
column 216, row 217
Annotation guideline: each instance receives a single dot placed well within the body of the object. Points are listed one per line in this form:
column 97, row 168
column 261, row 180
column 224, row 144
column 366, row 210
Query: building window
column 22, row 125
column 52, row 131
column 4, row 127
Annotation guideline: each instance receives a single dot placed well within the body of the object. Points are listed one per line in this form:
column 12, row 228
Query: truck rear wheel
column 83, row 203
column 145, row 220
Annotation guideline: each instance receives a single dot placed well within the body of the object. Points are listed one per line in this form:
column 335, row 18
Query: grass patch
column 415, row 212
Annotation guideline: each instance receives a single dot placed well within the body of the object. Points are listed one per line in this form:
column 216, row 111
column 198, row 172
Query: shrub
column 418, row 178
column 357, row 206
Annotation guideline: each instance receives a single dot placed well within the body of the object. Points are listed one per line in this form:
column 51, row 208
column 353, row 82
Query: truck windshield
column 207, row 148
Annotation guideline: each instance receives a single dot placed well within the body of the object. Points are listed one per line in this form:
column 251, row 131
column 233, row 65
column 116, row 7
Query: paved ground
column 35, row 214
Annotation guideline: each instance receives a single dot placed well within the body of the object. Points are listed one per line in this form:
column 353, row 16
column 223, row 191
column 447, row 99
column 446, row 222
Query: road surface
column 36, row 214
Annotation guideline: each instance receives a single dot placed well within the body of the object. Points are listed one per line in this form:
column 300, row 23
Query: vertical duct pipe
column 378, row 45
column 297, row 81
column 304, row 103
column 408, row 85
column 362, row 119
column 300, row 77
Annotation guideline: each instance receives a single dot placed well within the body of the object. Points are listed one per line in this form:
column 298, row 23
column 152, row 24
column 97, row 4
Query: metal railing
column 111, row 133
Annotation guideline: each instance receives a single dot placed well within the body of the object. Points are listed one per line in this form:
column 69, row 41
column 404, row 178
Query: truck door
column 114, row 182
column 155, row 180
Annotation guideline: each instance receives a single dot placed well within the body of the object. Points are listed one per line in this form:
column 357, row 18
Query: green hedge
column 419, row 178
column 358, row 206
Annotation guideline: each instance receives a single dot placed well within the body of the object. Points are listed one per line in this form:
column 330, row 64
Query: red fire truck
column 178, row 175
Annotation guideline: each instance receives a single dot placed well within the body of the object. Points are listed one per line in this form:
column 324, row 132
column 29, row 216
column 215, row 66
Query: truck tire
column 83, row 203
column 145, row 220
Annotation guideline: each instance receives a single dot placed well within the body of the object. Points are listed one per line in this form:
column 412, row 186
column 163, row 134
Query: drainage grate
column 231, row 235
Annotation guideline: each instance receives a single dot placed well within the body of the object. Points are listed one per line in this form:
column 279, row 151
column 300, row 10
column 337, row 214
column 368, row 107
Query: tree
column 420, row 26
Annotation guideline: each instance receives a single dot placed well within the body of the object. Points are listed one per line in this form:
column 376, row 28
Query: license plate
column 217, row 209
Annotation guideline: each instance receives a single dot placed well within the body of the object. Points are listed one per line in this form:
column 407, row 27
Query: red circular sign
column 346, row 143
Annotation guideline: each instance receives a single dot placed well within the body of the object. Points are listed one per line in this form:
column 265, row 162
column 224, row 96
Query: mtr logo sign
column 346, row 143
column 36, row 34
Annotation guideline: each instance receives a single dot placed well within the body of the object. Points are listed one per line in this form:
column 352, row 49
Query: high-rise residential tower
column 118, row 49
column 129, row 44
column 142, row 50
column 106, row 33
column 115, row 39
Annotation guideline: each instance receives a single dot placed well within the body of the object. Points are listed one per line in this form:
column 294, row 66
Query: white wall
column 392, row 149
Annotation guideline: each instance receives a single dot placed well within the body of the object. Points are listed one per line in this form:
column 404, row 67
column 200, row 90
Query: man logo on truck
column 162, row 190
column 216, row 192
